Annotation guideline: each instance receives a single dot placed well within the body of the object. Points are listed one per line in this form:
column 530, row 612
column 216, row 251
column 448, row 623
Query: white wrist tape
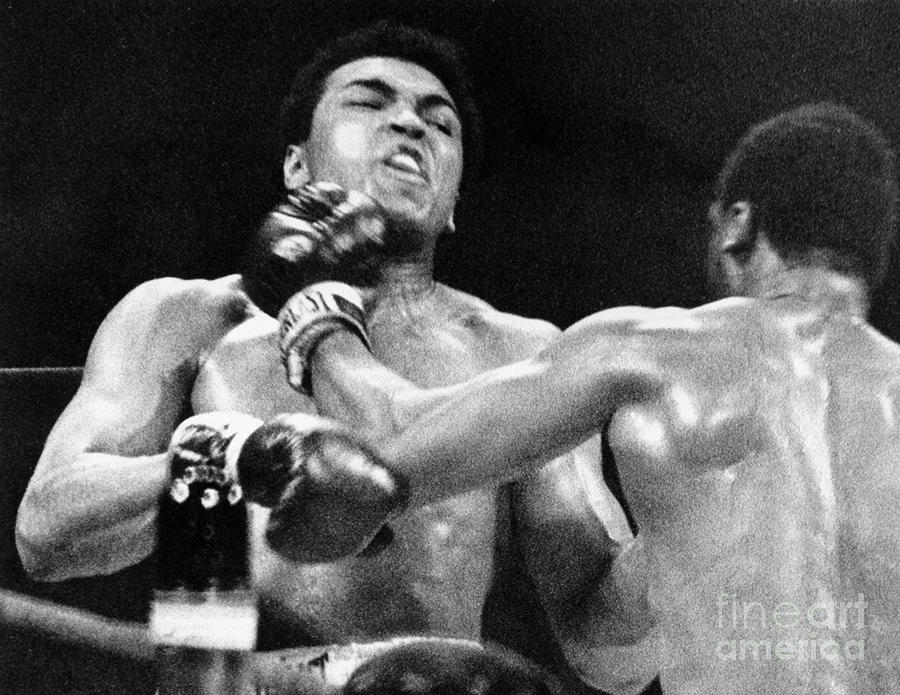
column 309, row 316
column 233, row 427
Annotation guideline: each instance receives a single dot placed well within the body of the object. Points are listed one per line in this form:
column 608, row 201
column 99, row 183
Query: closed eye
column 441, row 126
column 440, row 120
column 367, row 103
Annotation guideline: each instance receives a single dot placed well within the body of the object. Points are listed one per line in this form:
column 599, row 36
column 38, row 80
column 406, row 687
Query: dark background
column 139, row 140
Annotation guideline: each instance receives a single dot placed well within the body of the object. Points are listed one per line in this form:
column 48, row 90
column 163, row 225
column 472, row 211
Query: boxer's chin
column 406, row 233
column 411, row 222
column 401, row 200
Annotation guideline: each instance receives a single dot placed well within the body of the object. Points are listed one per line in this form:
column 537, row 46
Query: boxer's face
column 716, row 275
column 390, row 129
column 733, row 262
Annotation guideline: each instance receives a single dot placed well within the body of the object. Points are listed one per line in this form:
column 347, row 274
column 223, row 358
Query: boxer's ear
column 451, row 225
column 738, row 229
column 731, row 247
column 296, row 168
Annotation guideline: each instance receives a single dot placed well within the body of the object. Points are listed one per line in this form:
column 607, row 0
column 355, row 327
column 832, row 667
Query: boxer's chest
column 244, row 370
column 433, row 352
column 436, row 573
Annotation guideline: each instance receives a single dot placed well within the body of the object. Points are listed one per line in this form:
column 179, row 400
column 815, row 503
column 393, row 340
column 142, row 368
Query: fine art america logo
column 787, row 631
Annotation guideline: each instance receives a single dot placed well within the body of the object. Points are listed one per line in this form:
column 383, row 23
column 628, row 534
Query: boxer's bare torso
column 434, row 577
column 755, row 441
column 763, row 476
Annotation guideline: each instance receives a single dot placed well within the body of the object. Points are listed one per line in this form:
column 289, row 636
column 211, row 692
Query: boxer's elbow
column 38, row 543
column 618, row 670
column 51, row 534
column 56, row 549
column 38, row 564
column 610, row 651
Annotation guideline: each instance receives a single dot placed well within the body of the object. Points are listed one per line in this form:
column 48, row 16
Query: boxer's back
column 765, row 484
column 864, row 377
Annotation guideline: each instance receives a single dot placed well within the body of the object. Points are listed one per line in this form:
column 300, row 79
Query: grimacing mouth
column 409, row 159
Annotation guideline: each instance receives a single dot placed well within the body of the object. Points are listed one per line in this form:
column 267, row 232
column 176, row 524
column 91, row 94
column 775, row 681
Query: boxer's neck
column 409, row 279
column 831, row 291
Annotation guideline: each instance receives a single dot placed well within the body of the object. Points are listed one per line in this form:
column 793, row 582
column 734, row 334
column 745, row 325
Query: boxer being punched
column 384, row 113
column 756, row 437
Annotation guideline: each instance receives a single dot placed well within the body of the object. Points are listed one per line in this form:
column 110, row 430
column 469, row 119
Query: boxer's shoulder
column 245, row 345
column 637, row 322
column 190, row 301
column 241, row 368
column 478, row 315
column 719, row 321
column 170, row 320
column 258, row 331
column 665, row 345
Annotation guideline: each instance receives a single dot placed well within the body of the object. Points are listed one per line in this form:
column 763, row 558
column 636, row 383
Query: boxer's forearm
column 492, row 430
column 350, row 385
column 92, row 515
column 483, row 432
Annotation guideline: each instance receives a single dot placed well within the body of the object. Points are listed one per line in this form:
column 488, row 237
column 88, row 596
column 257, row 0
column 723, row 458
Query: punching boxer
column 755, row 437
column 384, row 113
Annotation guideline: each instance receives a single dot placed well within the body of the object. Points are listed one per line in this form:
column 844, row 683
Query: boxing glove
column 329, row 494
column 202, row 598
column 320, row 232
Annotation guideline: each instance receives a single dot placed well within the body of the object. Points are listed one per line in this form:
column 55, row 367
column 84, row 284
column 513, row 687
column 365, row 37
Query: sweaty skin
column 756, row 441
column 91, row 505
column 434, row 577
column 387, row 128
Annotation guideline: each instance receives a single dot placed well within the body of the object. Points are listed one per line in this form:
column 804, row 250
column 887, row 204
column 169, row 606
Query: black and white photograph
column 460, row 347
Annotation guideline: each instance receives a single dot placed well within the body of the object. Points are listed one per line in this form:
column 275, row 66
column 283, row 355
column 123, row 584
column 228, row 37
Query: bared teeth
column 405, row 162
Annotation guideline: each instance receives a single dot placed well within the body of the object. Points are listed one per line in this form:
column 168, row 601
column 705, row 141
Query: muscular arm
column 90, row 506
column 499, row 425
column 578, row 548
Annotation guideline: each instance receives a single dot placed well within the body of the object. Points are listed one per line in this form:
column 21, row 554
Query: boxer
column 385, row 113
column 755, row 438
